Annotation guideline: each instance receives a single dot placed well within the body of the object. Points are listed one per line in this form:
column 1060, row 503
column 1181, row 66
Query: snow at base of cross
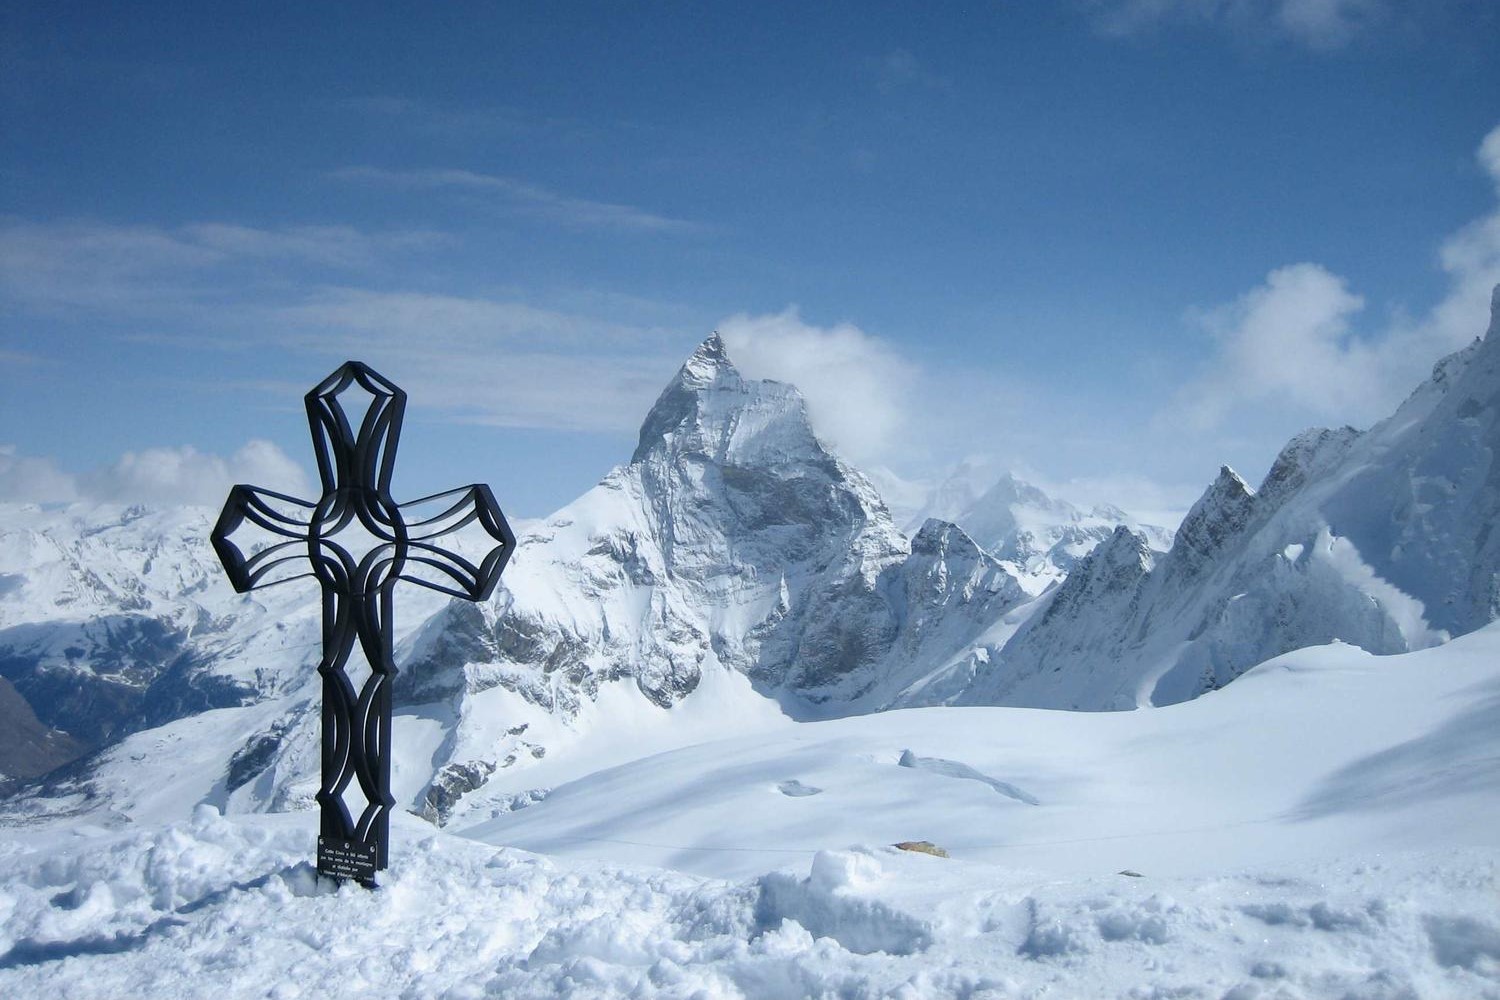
column 230, row 908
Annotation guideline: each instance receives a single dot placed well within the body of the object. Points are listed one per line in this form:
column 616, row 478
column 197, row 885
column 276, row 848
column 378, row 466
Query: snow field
column 229, row 908
column 1316, row 754
column 1324, row 827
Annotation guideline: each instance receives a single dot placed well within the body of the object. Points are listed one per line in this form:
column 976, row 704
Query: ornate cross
column 360, row 542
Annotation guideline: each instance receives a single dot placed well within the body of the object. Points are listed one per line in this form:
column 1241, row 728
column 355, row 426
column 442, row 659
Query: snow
column 1324, row 827
column 629, row 809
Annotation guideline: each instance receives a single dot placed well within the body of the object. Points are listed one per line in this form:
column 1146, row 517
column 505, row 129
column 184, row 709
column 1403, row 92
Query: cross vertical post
column 358, row 543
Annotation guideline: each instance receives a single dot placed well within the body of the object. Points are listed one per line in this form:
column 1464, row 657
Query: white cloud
column 855, row 385
column 1291, row 342
column 185, row 475
column 1318, row 24
column 579, row 212
column 1287, row 340
column 165, row 476
column 1489, row 155
column 28, row 479
column 1327, row 24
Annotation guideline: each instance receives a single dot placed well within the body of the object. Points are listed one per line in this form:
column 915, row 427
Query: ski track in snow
column 962, row 771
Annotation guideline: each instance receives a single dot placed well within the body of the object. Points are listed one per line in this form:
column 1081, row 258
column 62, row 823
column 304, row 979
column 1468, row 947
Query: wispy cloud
column 460, row 122
column 1292, row 340
column 31, row 479
column 212, row 286
column 899, row 70
column 341, row 246
column 462, row 321
column 1317, row 24
column 577, row 212
column 493, row 361
column 72, row 264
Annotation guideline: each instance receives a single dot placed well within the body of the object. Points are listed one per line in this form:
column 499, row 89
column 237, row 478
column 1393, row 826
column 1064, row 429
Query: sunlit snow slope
column 1322, row 828
column 1319, row 752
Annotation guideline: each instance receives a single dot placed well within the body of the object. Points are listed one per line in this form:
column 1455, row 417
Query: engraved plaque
column 347, row 859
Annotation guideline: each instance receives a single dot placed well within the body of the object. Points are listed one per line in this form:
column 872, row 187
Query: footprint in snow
column 797, row 789
column 957, row 769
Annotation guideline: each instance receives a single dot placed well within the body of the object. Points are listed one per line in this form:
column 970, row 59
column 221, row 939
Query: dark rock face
column 452, row 783
column 28, row 747
column 1219, row 517
column 1304, row 457
column 111, row 676
column 255, row 756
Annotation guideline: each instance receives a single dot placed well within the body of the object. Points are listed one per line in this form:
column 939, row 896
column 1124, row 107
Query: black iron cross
column 360, row 542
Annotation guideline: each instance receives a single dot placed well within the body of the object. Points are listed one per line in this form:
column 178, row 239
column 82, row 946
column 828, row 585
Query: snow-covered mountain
column 115, row 620
column 1322, row 829
column 732, row 571
column 1039, row 538
column 732, row 546
column 1382, row 539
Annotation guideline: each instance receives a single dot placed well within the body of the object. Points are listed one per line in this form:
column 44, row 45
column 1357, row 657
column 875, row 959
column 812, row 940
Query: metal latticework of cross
column 359, row 543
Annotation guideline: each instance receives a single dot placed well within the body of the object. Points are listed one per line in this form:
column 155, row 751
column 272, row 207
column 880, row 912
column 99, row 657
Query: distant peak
column 1229, row 480
column 707, row 363
column 1219, row 515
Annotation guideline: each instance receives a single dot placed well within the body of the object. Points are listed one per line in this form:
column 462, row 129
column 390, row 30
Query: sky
column 1108, row 244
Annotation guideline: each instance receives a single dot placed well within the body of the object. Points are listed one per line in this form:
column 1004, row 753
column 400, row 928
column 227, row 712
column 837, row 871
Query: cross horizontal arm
column 270, row 562
column 444, row 570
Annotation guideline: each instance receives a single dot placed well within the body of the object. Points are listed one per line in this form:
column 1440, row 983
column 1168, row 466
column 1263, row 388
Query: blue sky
column 1108, row 243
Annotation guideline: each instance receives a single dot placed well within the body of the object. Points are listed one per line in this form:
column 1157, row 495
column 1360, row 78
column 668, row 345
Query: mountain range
column 735, row 567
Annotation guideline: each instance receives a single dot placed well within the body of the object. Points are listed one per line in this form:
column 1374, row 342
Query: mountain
column 1039, row 538
column 1382, row 539
column 733, row 558
column 733, row 571
column 1322, row 829
column 117, row 619
column 732, row 548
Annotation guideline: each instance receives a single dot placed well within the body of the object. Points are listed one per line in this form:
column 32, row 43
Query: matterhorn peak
column 709, row 362
column 711, row 411
column 708, row 366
